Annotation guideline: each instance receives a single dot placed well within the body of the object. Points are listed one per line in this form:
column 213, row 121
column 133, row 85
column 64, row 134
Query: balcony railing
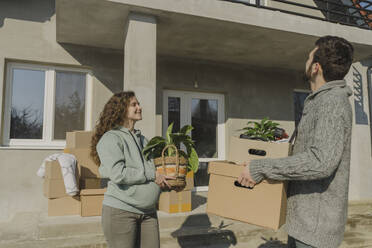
column 347, row 12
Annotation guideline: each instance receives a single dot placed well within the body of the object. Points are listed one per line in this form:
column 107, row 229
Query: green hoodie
column 131, row 186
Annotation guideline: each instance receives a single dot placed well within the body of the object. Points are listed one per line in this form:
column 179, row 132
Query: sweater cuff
column 255, row 169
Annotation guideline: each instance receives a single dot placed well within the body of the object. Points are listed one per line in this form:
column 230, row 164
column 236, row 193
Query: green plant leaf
column 246, row 128
column 182, row 154
column 250, row 132
column 270, row 136
column 186, row 129
column 179, row 139
column 263, row 129
column 169, row 131
column 193, row 161
column 147, row 155
column 156, row 152
column 189, row 146
column 156, row 145
column 153, row 143
column 268, row 124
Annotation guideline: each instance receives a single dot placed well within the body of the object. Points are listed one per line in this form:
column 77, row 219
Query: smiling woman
column 129, row 216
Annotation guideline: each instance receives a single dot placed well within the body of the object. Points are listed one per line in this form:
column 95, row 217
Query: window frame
column 185, row 118
column 185, row 107
column 306, row 91
column 49, row 105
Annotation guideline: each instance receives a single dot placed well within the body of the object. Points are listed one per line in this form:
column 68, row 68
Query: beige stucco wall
column 250, row 93
column 21, row 190
column 28, row 33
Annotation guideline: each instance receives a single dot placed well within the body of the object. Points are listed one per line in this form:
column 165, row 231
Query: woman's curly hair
column 113, row 115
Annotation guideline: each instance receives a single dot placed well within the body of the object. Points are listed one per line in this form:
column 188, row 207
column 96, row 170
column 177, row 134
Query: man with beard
column 318, row 171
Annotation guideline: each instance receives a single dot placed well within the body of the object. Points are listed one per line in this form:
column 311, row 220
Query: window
column 43, row 103
column 299, row 97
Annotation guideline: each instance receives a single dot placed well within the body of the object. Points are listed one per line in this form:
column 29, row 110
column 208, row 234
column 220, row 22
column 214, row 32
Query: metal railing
column 356, row 13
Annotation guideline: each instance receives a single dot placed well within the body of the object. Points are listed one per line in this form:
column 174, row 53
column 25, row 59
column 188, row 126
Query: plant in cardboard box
column 265, row 130
column 169, row 159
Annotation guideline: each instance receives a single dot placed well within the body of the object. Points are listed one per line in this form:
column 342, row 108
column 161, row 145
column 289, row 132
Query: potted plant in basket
column 169, row 159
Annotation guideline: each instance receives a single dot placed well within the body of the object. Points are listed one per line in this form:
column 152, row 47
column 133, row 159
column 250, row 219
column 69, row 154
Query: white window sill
column 200, row 189
column 32, row 147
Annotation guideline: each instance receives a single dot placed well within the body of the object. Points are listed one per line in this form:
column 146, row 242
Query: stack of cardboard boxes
column 78, row 144
column 89, row 202
column 59, row 203
column 91, row 194
column 92, row 187
column 265, row 204
column 176, row 202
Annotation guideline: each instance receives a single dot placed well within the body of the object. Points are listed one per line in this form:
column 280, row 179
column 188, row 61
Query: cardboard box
column 53, row 170
column 78, row 139
column 189, row 181
column 85, row 164
column 243, row 149
column 91, row 201
column 54, row 188
column 175, row 202
column 264, row 205
column 93, row 183
column 69, row 205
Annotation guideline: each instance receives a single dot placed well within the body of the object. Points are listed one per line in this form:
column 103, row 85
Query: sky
column 364, row 3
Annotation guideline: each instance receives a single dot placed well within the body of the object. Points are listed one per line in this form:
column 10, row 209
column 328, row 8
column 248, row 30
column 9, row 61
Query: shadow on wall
column 107, row 64
column 197, row 231
column 361, row 117
column 30, row 10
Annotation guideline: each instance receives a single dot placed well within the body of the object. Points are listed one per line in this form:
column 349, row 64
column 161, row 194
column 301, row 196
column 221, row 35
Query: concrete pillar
column 140, row 67
column 361, row 160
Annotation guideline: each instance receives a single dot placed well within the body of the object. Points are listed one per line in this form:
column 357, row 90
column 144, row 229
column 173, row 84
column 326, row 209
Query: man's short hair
column 335, row 55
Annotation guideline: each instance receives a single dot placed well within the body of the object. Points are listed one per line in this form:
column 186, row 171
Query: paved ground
column 195, row 229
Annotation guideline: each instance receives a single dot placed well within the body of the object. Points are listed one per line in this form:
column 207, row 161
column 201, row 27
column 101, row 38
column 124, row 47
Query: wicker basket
column 172, row 166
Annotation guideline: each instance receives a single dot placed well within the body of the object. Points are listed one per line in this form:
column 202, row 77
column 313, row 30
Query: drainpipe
column 369, row 82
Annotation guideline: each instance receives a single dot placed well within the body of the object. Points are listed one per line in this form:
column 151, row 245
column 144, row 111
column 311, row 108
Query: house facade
column 210, row 63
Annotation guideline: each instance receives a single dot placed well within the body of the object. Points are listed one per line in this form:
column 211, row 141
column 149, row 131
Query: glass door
column 205, row 112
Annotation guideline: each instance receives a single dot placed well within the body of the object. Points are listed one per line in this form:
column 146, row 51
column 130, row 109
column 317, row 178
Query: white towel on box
column 68, row 168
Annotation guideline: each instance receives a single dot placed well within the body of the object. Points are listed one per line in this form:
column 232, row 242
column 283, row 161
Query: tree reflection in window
column 69, row 103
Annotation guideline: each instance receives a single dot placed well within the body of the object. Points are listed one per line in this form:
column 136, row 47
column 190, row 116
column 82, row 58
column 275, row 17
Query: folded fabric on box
column 68, row 168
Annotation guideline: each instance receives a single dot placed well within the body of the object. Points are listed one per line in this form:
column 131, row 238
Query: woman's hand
column 161, row 180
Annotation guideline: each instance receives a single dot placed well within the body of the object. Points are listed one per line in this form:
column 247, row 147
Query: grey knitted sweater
column 318, row 170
